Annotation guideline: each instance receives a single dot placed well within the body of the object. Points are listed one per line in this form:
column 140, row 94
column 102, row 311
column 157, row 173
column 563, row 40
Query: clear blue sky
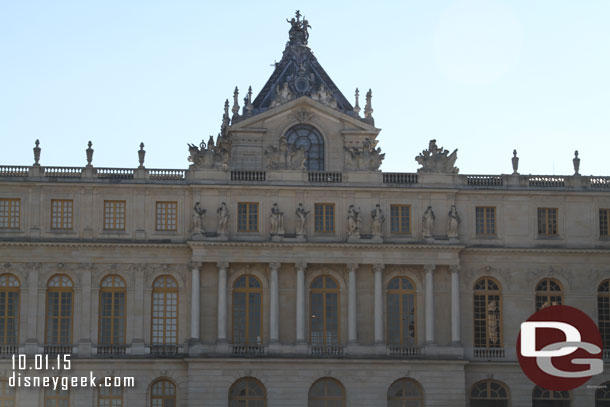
column 483, row 76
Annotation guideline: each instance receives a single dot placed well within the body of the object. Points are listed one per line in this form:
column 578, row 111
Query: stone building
column 283, row 268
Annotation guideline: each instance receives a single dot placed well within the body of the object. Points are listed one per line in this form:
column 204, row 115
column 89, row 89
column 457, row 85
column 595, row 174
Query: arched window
column 306, row 136
column 401, row 312
column 56, row 398
column 548, row 293
column 603, row 312
column 405, row 393
column 487, row 313
column 602, row 395
column 326, row 392
column 247, row 392
column 7, row 394
column 60, row 307
column 9, row 310
column 163, row 394
column 247, row 310
column 110, row 397
column 164, row 324
column 112, row 311
column 549, row 398
column 489, row 393
column 324, row 304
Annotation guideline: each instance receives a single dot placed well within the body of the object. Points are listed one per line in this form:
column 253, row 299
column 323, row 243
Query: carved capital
column 195, row 265
column 429, row 268
column 454, row 268
column 378, row 267
column 300, row 266
column 275, row 266
column 222, row 265
column 352, row 267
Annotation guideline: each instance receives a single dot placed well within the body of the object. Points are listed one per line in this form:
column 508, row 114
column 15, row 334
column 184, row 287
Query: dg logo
column 560, row 348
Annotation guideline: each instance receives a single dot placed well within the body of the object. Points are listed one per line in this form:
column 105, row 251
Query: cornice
column 536, row 250
column 326, row 245
column 95, row 244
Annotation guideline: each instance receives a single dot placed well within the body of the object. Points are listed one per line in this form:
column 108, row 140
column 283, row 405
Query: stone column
column 274, row 308
column 222, row 301
column 300, row 317
column 137, row 345
column 455, row 305
column 352, row 306
column 378, row 312
column 429, row 302
column 84, row 343
column 195, row 302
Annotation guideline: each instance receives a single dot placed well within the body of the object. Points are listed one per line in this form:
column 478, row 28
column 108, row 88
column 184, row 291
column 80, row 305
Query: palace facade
column 283, row 268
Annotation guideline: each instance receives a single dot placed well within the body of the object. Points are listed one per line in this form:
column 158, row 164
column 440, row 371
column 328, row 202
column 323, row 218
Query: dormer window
column 306, row 136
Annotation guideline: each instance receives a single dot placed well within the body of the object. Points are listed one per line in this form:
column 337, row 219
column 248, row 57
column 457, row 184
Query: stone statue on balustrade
column 277, row 221
column 210, row 156
column 301, row 219
column 377, row 223
column 223, row 220
column 285, row 156
column 354, row 222
column 365, row 158
column 453, row 222
column 437, row 160
column 197, row 217
column 428, row 223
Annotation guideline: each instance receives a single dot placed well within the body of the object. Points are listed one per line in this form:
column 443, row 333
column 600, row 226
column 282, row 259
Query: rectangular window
column 166, row 216
column 400, row 218
column 10, row 213
column 114, row 215
column 485, row 220
column 324, row 214
column 61, row 213
column 604, row 222
column 247, row 217
column 547, row 221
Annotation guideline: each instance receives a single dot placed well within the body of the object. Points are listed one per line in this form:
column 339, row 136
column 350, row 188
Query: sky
column 482, row 76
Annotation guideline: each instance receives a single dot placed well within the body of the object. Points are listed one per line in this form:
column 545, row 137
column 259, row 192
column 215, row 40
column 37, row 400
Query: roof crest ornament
column 298, row 34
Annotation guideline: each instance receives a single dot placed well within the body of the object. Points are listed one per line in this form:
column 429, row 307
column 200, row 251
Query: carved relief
column 354, row 222
column 301, row 219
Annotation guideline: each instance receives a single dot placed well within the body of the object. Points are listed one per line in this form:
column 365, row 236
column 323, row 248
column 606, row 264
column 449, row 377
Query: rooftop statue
column 210, row 156
column 364, row 158
column 285, row 156
column 298, row 33
column 437, row 160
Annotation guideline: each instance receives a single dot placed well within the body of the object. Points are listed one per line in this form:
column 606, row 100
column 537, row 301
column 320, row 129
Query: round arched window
column 306, row 136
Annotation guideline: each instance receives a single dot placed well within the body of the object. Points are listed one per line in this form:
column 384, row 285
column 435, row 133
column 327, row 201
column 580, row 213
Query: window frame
column 488, row 383
column 247, row 398
column 326, row 398
column 245, row 227
column 165, row 382
column 7, row 394
column 604, row 223
column 325, row 291
column 62, row 289
column 111, row 397
column 544, row 226
column 401, row 216
column 10, row 214
column 61, row 220
column 325, row 222
column 486, row 293
column 401, row 293
column 164, row 290
column 56, row 396
column 4, row 319
column 112, row 204
column 403, row 381
column 552, row 395
column 165, row 226
column 603, row 316
column 113, row 291
column 485, row 232
column 547, row 293
column 248, row 291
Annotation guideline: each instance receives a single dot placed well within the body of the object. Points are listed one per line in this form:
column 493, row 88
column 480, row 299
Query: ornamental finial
column 357, row 106
column 89, row 152
column 368, row 108
column 515, row 161
column 298, row 34
column 576, row 162
column 235, row 108
column 141, row 155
